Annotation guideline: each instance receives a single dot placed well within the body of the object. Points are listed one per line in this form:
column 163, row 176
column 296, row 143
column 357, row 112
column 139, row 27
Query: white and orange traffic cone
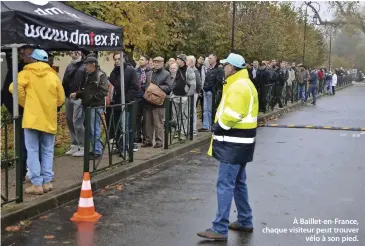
column 86, row 210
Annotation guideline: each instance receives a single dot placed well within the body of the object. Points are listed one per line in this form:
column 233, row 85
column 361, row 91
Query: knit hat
column 91, row 59
column 182, row 57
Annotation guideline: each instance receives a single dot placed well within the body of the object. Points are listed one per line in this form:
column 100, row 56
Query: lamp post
column 331, row 25
column 233, row 25
column 308, row 4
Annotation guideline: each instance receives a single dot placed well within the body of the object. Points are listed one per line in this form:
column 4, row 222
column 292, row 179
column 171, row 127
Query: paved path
column 297, row 173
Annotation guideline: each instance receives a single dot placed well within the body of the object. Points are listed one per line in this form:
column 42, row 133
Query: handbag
column 154, row 94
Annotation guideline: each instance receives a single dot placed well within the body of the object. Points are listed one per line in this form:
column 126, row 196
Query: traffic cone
column 86, row 209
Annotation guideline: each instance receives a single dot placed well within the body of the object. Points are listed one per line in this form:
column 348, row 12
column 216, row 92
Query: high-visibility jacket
column 237, row 116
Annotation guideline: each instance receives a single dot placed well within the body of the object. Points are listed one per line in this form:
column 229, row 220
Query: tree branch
column 321, row 22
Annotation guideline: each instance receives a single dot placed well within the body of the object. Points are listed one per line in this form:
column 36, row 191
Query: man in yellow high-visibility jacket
column 233, row 144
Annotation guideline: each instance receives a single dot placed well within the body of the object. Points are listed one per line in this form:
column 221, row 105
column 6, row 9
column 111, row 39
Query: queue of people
column 149, row 83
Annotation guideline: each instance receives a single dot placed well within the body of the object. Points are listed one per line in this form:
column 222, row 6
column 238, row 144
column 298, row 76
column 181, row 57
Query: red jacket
column 320, row 74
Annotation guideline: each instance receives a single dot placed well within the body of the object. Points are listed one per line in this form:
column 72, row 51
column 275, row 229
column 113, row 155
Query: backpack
column 109, row 97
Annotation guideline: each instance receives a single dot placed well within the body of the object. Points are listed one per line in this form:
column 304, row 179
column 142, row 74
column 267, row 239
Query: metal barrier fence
column 290, row 93
column 104, row 134
column 179, row 121
column 9, row 159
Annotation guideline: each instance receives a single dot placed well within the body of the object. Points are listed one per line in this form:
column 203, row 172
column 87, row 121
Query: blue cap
column 235, row 60
column 39, row 55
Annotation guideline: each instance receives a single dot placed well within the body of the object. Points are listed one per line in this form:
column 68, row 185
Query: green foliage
column 263, row 30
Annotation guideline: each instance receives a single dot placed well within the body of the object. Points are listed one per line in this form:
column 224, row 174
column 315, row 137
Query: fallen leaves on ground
column 49, row 237
column 44, row 217
column 25, row 222
column 119, row 187
column 12, row 228
column 195, row 151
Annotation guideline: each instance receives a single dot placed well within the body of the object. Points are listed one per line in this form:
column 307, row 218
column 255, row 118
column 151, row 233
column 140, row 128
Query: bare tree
column 347, row 13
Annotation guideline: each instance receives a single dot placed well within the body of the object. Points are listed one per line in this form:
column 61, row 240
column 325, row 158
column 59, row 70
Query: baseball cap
column 235, row 60
column 39, row 55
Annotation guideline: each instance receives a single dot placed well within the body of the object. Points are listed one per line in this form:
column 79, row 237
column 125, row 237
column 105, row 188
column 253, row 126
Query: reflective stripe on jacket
column 237, row 115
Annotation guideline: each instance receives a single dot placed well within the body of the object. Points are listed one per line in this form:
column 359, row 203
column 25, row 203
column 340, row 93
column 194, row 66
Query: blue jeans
column 232, row 183
column 95, row 140
column 312, row 90
column 207, row 110
column 39, row 144
column 301, row 91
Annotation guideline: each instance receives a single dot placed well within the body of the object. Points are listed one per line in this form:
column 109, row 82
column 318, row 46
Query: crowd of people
column 147, row 82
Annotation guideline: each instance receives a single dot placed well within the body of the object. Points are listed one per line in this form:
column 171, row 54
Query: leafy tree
column 263, row 30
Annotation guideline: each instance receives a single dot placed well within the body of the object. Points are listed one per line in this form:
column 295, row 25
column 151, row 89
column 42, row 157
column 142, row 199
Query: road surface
column 304, row 174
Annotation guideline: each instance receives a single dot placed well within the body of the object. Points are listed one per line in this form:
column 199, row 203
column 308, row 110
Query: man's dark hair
column 202, row 56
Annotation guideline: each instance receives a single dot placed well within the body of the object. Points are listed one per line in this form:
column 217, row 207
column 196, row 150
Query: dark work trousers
column 201, row 102
column 262, row 90
column 333, row 90
column 111, row 118
column 140, row 117
column 276, row 95
column 23, row 151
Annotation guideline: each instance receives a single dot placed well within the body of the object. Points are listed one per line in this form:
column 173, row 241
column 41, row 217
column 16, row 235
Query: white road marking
column 343, row 134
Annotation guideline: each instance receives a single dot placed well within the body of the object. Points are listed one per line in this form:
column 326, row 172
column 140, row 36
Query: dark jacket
column 75, row 75
column 282, row 76
column 141, row 84
column 255, row 80
column 213, row 79
column 161, row 78
column 313, row 78
column 274, row 75
column 198, row 80
column 94, row 92
column 6, row 96
column 130, row 84
column 263, row 76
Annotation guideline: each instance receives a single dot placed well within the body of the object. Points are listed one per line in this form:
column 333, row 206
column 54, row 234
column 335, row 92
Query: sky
column 324, row 11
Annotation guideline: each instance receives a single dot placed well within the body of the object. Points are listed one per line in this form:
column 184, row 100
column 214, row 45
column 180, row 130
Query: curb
column 24, row 211
column 36, row 207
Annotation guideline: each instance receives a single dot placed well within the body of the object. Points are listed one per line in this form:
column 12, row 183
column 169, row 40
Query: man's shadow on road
column 234, row 239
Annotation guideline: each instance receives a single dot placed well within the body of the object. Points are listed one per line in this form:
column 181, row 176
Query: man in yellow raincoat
column 40, row 93
column 233, row 144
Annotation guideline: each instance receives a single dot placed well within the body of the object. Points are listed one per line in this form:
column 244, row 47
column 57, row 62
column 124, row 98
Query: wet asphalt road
column 297, row 173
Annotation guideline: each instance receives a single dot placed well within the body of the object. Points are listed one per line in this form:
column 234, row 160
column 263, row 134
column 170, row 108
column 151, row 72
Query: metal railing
column 290, row 94
column 105, row 137
column 11, row 158
column 179, row 113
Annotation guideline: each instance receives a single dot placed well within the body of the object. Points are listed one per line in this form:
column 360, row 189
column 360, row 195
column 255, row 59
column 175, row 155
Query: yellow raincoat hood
column 40, row 92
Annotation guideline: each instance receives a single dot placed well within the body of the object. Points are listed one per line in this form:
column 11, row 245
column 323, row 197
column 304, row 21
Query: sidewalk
column 69, row 170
